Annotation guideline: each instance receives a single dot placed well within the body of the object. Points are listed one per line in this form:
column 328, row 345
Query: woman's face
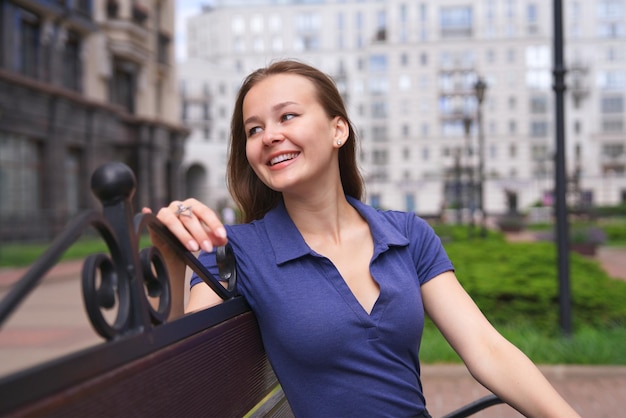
column 291, row 142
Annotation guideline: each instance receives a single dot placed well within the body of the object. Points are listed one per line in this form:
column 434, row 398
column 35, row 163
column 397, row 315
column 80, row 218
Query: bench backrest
column 209, row 363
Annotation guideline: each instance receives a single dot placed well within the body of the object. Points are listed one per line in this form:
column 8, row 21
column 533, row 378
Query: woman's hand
column 197, row 227
column 193, row 223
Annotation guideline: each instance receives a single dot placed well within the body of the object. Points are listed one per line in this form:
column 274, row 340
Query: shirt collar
column 288, row 244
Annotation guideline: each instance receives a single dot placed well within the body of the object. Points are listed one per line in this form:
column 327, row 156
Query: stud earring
column 338, row 142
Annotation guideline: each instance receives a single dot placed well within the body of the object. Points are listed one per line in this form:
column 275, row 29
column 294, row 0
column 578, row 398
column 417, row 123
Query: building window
column 72, row 73
column 307, row 43
column 510, row 9
column 239, row 44
column 379, row 133
column 358, row 20
column 238, row 25
column 256, row 24
column 611, row 30
column 123, row 84
column 613, row 150
column 381, row 26
column 258, row 45
column 378, row 63
column 610, row 19
column 163, row 47
column 20, row 176
column 277, row 43
column 406, row 155
column 532, row 18
column 275, row 23
column 308, row 22
column 510, row 56
column 205, row 111
column 379, row 109
column 538, row 129
column 612, row 125
column 539, row 152
column 538, row 104
column 612, row 104
column 73, row 174
column 341, row 21
column 611, row 80
column 28, row 37
column 404, row 82
column 379, row 157
column 456, row 21
column 578, row 128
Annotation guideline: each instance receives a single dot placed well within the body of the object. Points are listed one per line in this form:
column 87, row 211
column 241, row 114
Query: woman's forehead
column 283, row 84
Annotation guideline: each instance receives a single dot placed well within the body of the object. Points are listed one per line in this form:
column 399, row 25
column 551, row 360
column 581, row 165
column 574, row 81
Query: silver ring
column 182, row 210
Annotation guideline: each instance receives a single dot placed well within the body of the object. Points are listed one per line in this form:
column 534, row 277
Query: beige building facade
column 408, row 71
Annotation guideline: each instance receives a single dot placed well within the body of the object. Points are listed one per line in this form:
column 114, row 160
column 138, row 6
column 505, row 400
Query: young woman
column 339, row 288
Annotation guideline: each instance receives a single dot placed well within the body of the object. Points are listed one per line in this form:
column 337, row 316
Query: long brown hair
column 251, row 195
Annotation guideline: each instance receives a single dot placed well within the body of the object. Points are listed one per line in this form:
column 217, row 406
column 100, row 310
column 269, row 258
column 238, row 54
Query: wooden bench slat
column 222, row 372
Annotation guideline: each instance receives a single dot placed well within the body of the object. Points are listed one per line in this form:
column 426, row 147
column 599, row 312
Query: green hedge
column 518, row 283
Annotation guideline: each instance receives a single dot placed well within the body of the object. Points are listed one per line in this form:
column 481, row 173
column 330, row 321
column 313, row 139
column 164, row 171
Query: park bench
column 207, row 363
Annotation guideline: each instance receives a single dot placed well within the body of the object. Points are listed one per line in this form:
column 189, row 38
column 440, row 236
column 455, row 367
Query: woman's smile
column 281, row 158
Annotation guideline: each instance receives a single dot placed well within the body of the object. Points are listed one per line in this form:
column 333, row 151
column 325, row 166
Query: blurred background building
column 412, row 74
column 84, row 82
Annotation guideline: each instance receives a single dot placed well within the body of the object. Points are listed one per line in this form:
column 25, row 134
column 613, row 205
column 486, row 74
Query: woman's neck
column 322, row 216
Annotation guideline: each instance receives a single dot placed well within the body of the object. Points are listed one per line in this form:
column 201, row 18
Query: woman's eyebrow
column 275, row 108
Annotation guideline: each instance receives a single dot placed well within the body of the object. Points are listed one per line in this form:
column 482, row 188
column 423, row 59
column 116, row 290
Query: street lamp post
column 479, row 90
column 458, row 204
column 467, row 127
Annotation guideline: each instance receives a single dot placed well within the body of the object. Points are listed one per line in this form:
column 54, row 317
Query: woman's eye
column 288, row 116
column 254, row 130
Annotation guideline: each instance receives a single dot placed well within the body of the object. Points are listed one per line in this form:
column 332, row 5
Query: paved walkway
column 52, row 322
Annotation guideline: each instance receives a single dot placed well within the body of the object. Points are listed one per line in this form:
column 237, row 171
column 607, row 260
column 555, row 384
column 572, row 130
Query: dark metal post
column 479, row 89
column 560, row 175
column 467, row 126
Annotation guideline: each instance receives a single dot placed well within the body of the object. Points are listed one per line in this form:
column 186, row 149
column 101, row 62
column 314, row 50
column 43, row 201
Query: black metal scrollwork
column 130, row 286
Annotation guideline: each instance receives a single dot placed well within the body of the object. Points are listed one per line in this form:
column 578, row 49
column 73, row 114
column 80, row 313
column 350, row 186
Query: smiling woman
column 252, row 195
column 292, row 143
column 339, row 289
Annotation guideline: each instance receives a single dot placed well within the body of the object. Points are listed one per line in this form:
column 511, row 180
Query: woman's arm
column 491, row 359
column 198, row 228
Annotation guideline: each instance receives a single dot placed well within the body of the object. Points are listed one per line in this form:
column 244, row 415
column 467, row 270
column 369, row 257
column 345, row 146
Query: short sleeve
column 209, row 261
column 429, row 256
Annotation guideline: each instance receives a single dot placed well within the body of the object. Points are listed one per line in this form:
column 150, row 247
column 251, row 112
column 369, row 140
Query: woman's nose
column 272, row 135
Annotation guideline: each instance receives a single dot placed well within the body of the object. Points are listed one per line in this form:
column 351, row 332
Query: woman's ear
column 341, row 131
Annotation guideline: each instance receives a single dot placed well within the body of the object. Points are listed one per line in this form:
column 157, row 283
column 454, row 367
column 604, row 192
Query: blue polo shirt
column 332, row 358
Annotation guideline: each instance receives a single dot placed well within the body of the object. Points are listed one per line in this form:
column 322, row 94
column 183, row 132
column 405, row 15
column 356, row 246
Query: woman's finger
column 194, row 224
column 209, row 221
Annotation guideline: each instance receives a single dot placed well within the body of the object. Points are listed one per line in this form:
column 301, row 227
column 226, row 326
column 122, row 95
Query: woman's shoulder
column 404, row 218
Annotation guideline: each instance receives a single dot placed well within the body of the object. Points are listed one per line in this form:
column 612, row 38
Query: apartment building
column 409, row 72
column 84, row 82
